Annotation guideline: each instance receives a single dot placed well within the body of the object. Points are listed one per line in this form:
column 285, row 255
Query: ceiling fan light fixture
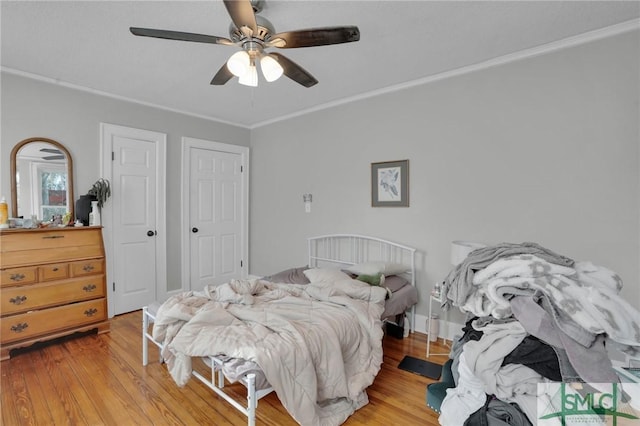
column 271, row 68
column 254, row 33
column 239, row 63
column 249, row 78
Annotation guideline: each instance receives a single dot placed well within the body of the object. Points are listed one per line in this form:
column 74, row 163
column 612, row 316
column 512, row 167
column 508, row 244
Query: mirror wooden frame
column 14, row 186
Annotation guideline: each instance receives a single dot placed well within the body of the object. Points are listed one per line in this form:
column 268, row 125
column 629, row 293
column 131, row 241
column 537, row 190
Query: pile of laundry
column 533, row 316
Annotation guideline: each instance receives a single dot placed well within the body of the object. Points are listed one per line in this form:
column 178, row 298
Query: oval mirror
column 41, row 179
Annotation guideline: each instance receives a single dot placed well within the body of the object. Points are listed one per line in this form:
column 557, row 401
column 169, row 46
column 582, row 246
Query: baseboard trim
column 446, row 329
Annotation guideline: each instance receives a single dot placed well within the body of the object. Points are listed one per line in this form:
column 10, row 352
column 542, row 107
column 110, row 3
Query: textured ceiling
column 88, row 44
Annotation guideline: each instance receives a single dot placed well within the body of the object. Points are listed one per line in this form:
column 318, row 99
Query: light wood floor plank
column 9, row 414
column 39, row 409
column 84, row 396
column 43, row 381
column 156, row 396
column 113, row 403
column 63, row 390
column 23, row 407
column 100, row 380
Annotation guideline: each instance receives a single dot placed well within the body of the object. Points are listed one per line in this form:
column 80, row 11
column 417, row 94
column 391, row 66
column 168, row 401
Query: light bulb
column 249, row 78
column 238, row 63
column 271, row 68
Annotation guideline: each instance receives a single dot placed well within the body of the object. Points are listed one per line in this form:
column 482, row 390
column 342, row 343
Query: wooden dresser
column 52, row 283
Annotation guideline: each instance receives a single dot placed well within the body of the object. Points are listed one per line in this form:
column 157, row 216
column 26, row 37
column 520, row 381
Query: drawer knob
column 17, row 277
column 88, row 267
column 91, row 312
column 55, row 269
column 89, row 288
column 19, row 328
column 18, row 300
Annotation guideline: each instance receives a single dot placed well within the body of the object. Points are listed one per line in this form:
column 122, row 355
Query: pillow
column 325, row 275
column 373, row 268
column 377, row 279
column 290, row 276
column 395, row 282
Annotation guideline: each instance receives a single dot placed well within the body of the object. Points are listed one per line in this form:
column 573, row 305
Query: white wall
column 544, row 149
column 33, row 108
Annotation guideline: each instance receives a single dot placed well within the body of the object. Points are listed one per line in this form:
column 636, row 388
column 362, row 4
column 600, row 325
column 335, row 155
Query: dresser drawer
column 18, row 276
column 25, row 298
column 51, row 239
column 46, row 321
column 50, row 246
column 87, row 267
column 53, row 272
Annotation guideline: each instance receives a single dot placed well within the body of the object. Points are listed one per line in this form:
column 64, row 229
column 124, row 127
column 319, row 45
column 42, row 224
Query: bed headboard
column 341, row 250
column 349, row 249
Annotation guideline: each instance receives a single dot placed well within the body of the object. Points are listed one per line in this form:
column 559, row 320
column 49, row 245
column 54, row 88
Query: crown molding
column 113, row 96
column 573, row 41
column 568, row 42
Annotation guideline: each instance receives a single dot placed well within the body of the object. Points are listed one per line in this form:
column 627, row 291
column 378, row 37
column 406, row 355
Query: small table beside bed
column 312, row 334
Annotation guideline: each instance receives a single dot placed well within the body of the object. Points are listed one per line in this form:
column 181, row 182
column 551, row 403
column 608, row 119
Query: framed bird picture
column 390, row 184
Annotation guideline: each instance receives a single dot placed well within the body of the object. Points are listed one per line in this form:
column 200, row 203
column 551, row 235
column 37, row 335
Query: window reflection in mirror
column 42, row 182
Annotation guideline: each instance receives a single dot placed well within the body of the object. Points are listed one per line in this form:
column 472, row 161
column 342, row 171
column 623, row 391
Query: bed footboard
column 216, row 381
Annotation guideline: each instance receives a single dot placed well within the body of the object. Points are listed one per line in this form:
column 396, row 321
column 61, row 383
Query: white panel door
column 215, row 217
column 134, row 216
column 215, row 212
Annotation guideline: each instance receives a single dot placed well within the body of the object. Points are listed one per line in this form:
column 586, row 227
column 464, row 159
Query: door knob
column 194, row 229
column 151, row 233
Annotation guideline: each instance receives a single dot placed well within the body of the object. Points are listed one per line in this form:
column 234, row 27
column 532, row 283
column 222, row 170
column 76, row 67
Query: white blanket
column 319, row 345
column 586, row 293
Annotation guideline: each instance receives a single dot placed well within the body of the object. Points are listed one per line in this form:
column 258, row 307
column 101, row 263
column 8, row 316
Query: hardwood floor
column 100, row 380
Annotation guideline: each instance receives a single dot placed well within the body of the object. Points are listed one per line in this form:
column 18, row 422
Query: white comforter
column 319, row 345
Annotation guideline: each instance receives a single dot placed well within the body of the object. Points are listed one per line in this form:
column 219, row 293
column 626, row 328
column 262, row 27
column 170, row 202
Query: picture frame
column 390, row 184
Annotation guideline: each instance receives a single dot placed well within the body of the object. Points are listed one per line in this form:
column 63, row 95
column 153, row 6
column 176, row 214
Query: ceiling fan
column 254, row 34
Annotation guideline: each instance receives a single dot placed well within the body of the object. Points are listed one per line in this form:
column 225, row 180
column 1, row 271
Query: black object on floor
column 421, row 367
column 394, row 330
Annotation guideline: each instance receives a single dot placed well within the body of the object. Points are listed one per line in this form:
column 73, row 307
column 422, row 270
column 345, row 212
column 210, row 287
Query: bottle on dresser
column 4, row 213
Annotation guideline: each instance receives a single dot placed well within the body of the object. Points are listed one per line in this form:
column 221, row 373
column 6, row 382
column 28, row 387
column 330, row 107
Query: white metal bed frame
column 334, row 249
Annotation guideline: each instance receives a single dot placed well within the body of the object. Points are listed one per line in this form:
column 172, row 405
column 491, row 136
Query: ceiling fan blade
column 178, row 35
column 51, row 150
column 314, row 37
column 294, row 71
column 54, row 157
column 222, row 76
column 242, row 15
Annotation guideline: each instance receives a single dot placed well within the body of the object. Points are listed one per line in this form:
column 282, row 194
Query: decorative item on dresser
column 52, row 283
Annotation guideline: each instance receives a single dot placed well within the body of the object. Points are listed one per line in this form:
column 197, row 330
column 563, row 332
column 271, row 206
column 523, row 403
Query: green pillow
column 377, row 279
